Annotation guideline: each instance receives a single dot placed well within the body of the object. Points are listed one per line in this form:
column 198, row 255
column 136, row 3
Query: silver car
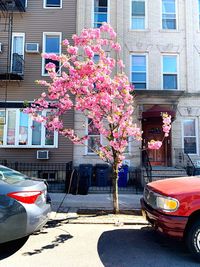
column 24, row 206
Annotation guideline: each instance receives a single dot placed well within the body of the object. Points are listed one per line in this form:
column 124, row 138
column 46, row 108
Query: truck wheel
column 193, row 239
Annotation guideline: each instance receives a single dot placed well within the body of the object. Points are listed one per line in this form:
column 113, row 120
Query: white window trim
column 108, row 13
column 145, row 18
column 14, row 34
column 147, row 68
column 86, row 142
column 56, row 7
column 30, row 122
column 43, row 48
column 177, row 62
column 176, row 13
column 196, row 134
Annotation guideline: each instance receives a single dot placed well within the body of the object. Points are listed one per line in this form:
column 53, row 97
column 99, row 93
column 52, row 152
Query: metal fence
column 62, row 177
column 57, row 174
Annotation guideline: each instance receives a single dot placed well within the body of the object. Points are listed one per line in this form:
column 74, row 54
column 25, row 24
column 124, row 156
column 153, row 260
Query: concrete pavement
column 96, row 209
column 64, row 202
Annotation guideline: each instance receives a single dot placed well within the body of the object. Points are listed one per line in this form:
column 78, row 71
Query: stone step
column 167, row 172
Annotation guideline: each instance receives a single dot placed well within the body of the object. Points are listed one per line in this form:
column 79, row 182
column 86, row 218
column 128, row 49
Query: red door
column 152, row 129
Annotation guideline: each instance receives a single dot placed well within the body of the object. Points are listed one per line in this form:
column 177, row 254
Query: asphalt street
column 61, row 244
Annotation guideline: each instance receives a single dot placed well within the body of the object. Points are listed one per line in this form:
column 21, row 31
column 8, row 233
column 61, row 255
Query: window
column 189, row 136
column 138, row 71
column 170, row 80
column 94, row 138
column 138, row 15
column 52, row 3
column 51, row 45
column 100, row 12
column 21, row 131
column 169, row 14
column 17, row 58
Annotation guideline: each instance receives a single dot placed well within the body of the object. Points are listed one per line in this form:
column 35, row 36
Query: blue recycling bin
column 102, row 174
column 123, row 176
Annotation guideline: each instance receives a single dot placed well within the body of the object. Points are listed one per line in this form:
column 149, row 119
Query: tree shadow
column 142, row 248
column 10, row 248
column 58, row 240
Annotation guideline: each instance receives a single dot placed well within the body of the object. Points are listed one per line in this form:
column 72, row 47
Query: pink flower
column 154, row 144
column 166, row 128
column 65, row 42
column 116, row 47
column 45, row 55
column 120, row 64
column 50, row 66
column 72, row 50
column 88, row 51
column 43, row 95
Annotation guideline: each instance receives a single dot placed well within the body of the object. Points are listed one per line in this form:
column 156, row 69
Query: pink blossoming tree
column 98, row 90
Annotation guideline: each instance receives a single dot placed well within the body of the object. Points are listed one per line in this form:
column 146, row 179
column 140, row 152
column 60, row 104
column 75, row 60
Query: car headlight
column 167, row 204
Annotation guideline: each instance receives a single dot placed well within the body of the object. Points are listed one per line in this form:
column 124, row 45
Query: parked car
column 24, row 205
column 172, row 206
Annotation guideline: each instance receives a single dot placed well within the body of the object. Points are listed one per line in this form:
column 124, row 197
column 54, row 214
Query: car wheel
column 193, row 239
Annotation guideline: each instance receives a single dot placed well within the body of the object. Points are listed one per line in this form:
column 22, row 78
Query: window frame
column 51, row 7
column 93, row 13
column 176, row 17
column 44, row 48
column 147, row 76
column 30, row 123
column 17, row 34
column 196, row 134
column 145, row 17
column 86, row 142
column 162, row 70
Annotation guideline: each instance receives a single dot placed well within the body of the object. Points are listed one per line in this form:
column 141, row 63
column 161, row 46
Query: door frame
column 167, row 141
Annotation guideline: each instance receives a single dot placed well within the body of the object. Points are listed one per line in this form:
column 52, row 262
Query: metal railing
column 183, row 160
column 147, row 165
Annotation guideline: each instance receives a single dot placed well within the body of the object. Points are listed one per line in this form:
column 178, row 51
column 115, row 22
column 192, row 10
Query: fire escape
column 11, row 59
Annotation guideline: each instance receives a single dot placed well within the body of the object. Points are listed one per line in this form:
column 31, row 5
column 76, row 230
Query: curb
column 117, row 220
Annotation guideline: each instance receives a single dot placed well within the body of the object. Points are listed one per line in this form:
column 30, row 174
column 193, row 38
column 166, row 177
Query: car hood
column 176, row 186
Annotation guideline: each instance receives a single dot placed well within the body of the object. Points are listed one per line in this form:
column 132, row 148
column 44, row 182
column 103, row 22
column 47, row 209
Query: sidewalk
column 96, row 209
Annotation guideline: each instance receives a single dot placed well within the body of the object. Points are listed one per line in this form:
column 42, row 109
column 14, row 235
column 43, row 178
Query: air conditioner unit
column 32, row 48
column 42, row 154
column 1, row 48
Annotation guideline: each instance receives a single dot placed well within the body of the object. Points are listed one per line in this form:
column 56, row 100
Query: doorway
column 152, row 130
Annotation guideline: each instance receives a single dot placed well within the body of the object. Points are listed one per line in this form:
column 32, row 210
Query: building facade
column 27, row 29
column 160, row 48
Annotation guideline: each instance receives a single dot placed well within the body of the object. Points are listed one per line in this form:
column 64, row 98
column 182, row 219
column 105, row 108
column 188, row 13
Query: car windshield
column 9, row 176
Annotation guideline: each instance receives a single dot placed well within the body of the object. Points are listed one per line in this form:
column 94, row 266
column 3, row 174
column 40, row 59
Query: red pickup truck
column 172, row 206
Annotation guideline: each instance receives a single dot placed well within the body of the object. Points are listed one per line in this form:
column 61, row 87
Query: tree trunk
column 115, row 189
